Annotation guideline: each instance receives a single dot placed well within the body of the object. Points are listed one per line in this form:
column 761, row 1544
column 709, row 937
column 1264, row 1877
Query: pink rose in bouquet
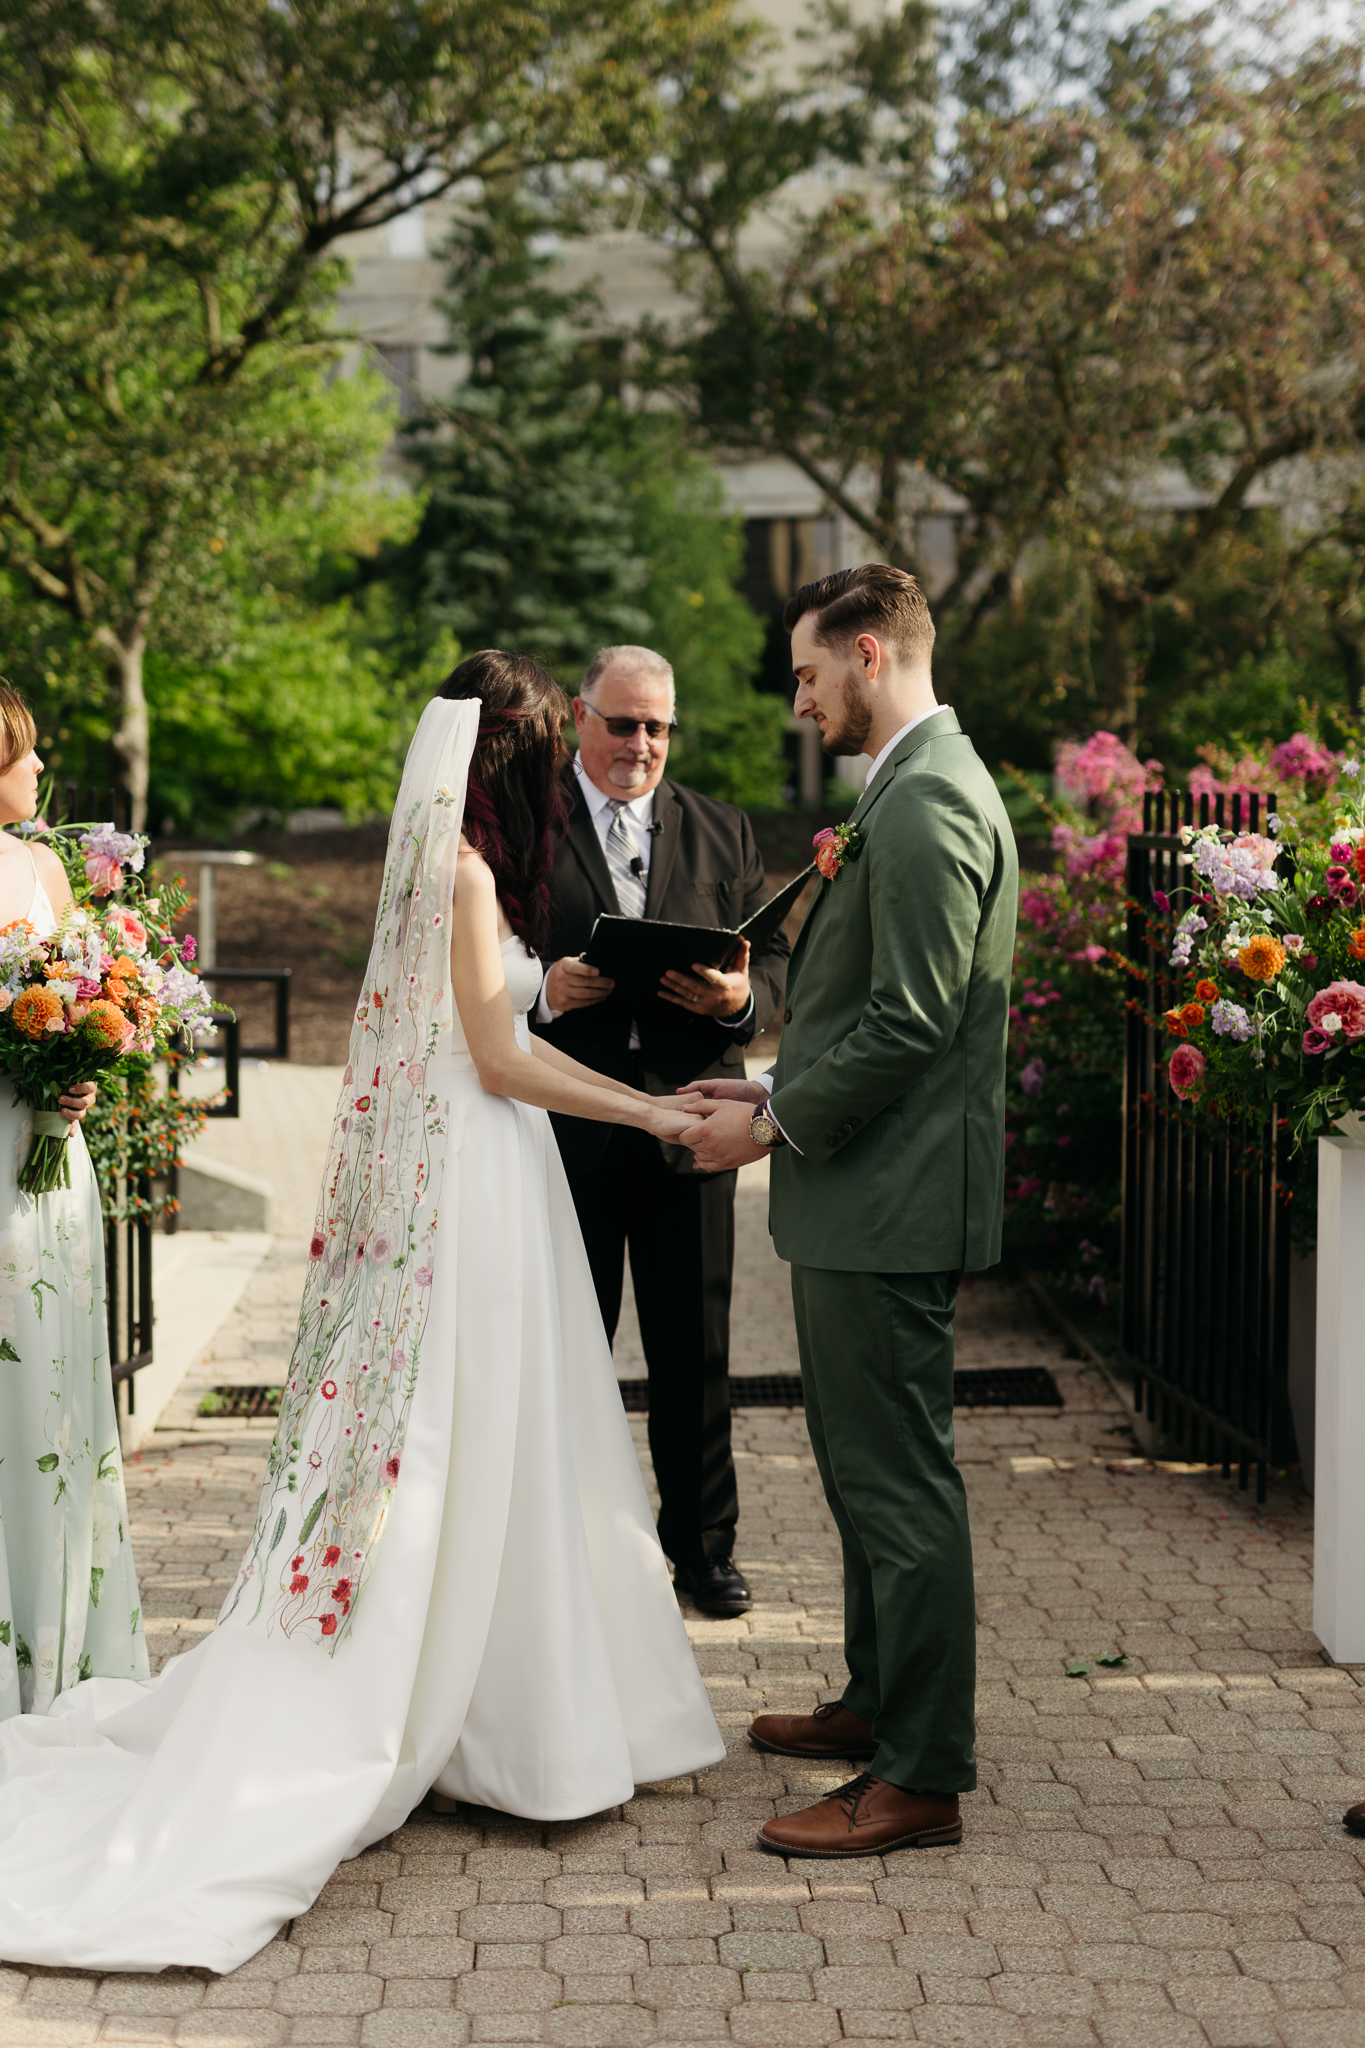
column 1186, row 1071
column 1339, row 1008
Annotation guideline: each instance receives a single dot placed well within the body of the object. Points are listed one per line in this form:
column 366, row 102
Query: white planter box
column 1339, row 1450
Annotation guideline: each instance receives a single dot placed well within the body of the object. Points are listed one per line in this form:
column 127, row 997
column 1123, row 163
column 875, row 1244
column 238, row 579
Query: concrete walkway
column 1154, row 1858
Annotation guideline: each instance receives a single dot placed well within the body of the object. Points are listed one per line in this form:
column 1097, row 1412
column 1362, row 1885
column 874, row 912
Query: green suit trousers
column 877, row 1370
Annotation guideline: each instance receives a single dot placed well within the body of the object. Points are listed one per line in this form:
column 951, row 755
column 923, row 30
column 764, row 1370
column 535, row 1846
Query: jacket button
column 786, row 1016
column 833, row 1139
column 853, row 1123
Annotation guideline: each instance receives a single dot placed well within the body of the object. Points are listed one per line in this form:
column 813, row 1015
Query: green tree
column 557, row 519
column 173, row 184
column 1101, row 332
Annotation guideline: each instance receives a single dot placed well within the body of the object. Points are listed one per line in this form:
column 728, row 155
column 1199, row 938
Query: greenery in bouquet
column 1268, row 937
column 109, row 991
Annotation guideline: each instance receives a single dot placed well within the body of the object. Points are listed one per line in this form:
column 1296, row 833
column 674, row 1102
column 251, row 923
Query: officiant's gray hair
column 639, row 661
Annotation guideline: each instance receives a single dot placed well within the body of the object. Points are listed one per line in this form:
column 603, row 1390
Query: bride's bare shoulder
column 473, row 876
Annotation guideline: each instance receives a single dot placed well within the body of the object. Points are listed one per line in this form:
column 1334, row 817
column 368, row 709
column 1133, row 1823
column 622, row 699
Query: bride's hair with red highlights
column 514, row 808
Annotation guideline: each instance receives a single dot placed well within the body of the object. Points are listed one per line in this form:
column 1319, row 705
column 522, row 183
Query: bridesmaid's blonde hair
column 18, row 733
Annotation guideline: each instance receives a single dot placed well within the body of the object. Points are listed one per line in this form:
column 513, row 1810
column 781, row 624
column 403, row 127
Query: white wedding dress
column 518, row 1644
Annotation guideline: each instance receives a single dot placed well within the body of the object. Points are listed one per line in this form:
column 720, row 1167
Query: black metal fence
column 1205, row 1232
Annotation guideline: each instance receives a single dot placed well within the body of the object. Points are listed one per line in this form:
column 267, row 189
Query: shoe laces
column 827, row 1711
column 849, row 1795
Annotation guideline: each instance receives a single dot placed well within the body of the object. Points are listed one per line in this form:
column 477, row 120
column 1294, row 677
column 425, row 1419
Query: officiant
column 638, row 845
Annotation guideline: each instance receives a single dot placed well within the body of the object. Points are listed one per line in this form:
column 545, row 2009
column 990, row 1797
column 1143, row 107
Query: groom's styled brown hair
column 874, row 598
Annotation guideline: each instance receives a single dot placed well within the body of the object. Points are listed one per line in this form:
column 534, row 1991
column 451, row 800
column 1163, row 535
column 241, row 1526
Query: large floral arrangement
column 1269, row 941
column 1071, row 983
column 108, row 990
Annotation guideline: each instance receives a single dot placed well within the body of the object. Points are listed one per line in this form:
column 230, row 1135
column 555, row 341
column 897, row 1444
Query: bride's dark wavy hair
column 514, row 808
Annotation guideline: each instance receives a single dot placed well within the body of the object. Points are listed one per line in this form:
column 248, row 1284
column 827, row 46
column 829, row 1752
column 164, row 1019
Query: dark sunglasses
column 626, row 728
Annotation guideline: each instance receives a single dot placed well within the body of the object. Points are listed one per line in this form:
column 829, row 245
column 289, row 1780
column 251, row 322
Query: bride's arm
column 486, row 1013
column 542, row 1050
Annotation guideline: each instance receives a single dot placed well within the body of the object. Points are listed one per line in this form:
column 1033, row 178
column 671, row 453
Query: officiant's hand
column 706, row 992
column 721, row 1138
column 573, row 985
column 696, row 1093
column 79, row 1098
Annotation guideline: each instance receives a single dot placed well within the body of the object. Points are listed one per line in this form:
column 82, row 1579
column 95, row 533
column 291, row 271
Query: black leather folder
column 637, row 952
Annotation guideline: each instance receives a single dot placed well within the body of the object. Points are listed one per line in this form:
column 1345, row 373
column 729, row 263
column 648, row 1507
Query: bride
column 454, row 1581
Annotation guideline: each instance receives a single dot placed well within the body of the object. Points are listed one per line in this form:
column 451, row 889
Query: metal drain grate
column 241, row 1401
column 1007, row 1386
column 1027, row 1386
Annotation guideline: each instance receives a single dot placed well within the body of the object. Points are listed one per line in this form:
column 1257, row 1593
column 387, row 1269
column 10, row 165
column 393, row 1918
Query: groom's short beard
column 850, row 735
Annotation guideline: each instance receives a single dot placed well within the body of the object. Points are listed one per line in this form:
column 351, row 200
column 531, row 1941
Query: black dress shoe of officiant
column 719, row 1589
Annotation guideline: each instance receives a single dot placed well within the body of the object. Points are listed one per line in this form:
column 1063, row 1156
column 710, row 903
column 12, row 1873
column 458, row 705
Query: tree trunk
column 132, row 740
column 1116, row 650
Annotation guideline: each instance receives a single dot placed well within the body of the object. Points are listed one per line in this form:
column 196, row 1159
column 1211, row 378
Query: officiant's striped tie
column 627, row 881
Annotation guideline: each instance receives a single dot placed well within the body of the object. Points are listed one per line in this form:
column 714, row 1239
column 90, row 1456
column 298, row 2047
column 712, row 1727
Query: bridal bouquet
column 1271, row 944
column 111, row 984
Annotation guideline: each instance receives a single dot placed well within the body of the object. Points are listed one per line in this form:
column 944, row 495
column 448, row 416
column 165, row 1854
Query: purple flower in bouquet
column 1033, row 1077
column 107, row 854
column 1230, row 1020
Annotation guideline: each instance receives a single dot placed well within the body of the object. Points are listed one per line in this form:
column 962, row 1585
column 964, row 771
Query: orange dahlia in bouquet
column 110, row 987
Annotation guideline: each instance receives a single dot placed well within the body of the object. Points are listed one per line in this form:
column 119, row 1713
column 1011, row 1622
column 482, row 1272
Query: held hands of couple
column 719, row 1139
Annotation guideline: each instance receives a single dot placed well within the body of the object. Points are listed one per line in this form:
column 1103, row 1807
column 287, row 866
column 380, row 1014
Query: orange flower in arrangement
column 34, row 1009
column 1355, row 945
column 1192, row 1015
column 1261, row 958
column 1207, row 991
column 1177, row 1023
column 1360, row 856
column 18, row 924
column 104, row 1023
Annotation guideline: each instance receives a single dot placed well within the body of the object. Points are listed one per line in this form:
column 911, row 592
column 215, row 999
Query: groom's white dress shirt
column 766, row 1080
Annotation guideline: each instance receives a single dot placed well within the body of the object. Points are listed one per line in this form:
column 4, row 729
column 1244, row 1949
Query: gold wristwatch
column 766, row 1131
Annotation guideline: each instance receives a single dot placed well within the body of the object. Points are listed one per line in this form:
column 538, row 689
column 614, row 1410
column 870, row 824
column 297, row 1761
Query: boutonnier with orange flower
column 835, row 845
column 110, row 986
column 1271, row 935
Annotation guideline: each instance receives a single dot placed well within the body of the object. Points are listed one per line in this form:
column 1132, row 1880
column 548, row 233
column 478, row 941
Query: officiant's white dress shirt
column 638, row 818
column 766, row 1080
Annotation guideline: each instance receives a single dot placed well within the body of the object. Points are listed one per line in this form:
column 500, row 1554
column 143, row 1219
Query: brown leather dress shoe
column 831, row 1731
column 1353, row 1820
column 865, row 1818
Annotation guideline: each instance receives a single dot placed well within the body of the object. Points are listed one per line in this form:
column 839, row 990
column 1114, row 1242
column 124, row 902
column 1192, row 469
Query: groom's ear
column 871, row 652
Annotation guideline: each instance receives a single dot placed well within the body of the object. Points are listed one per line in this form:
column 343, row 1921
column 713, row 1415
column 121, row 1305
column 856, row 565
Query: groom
column 884, row 1116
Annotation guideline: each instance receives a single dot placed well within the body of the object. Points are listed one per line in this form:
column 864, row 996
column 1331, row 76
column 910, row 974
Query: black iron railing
column 128, row 1284
column 1205, row 1231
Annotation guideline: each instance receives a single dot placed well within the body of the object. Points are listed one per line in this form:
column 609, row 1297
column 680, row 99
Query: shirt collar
column 597, row 800
column 895, row 741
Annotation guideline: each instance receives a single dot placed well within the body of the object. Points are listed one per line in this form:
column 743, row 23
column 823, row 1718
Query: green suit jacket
column 890, row 1078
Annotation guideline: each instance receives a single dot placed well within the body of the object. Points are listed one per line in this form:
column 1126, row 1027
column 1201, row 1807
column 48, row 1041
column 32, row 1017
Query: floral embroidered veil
column 337, row 1457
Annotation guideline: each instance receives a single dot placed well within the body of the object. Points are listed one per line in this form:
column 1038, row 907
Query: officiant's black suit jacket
column 704, row 868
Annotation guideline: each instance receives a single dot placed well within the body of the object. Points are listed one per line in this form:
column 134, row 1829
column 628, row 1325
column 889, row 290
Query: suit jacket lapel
column 939, row 723
column 663, row 853
column 587, row 848
column 936, row 727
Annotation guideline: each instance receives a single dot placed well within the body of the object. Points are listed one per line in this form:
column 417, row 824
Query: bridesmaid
column 69, row 1606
